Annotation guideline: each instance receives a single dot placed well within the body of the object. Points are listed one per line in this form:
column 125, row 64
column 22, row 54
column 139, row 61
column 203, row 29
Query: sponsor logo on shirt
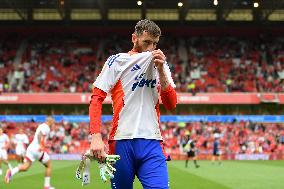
column 143, row 82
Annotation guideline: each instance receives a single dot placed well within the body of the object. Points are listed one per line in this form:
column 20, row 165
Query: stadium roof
column 260, row 11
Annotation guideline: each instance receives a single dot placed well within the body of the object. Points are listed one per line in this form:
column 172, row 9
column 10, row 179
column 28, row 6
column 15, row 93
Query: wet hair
column 149, row 26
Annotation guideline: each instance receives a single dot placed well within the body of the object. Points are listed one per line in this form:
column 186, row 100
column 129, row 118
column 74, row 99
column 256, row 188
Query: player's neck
column 133, row 51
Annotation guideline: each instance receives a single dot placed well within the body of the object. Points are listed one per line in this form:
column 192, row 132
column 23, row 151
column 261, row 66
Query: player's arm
column 26, row 141
column 95, row 113
column 168, row 93
column 103, row 84
column 193, row 146
column 95, row 110
column 41, row 139
column 14, row 141
column 7, row 143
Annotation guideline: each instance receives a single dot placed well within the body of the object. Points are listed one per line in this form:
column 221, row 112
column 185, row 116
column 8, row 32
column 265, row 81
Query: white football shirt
column 132, row 81
column 44, row 130
column 4, row 139
column 21, row 140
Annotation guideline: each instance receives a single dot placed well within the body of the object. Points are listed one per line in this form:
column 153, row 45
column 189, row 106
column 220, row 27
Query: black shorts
column 216, row 153
column 191, row 154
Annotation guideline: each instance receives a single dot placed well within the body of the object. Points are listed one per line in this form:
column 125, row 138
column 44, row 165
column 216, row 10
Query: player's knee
column 48, row 164
column 25, row 168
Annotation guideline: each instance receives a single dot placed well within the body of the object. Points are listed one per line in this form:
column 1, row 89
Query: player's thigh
column 124, row 175
column 32, row 155
column 26, row 165
column 153, row 171
column 45, row 159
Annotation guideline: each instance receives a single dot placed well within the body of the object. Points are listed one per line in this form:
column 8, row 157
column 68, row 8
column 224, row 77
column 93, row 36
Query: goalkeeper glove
column 85, row 167
column 105, row 172
column 106, row 168
column 108, row 159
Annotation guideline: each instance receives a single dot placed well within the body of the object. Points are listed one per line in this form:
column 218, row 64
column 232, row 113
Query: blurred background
column 226, row 58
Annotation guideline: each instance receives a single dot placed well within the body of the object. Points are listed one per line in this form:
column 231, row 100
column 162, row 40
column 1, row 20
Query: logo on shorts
column 113, row 184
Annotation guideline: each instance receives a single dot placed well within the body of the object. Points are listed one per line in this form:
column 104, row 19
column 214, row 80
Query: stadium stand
column 235, row 137
column 199, row 64
column 8, row 50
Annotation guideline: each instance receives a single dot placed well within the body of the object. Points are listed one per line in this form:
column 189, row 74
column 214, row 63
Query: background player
column 190, row 149
column 36, row 151
column 135, row 80
column 21, row 141
column 216, row 150
column 4, row 144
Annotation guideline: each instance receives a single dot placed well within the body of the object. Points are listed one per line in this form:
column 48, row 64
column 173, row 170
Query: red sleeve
column 95, row 110
column 169, row 98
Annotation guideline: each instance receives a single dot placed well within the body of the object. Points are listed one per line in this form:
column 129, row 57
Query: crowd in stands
column 235, row 137
column 8, row 50
column 198, row 64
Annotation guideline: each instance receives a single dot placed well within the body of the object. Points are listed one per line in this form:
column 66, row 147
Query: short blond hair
column 49, row 119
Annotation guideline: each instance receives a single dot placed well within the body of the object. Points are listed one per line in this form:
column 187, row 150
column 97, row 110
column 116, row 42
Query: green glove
column 105, row 172
column 112, row 159
column 106, row 169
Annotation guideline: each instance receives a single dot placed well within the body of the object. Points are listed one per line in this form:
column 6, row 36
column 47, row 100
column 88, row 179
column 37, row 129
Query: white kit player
column 21, row 141
column 36, row 151
column 4, row 143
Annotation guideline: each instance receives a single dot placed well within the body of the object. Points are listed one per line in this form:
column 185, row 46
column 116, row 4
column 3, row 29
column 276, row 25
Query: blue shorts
column 143, row 158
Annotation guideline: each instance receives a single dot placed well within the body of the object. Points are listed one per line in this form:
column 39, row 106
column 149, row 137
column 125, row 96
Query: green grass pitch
column 231, row 174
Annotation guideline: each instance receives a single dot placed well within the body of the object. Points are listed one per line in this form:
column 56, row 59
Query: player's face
column 51, row 122
column 144, row 42
column 1, row 131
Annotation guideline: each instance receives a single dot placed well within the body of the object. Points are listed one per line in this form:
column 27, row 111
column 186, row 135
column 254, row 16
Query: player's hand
column 97, row 147
column 158, row 58
column 106, row 169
